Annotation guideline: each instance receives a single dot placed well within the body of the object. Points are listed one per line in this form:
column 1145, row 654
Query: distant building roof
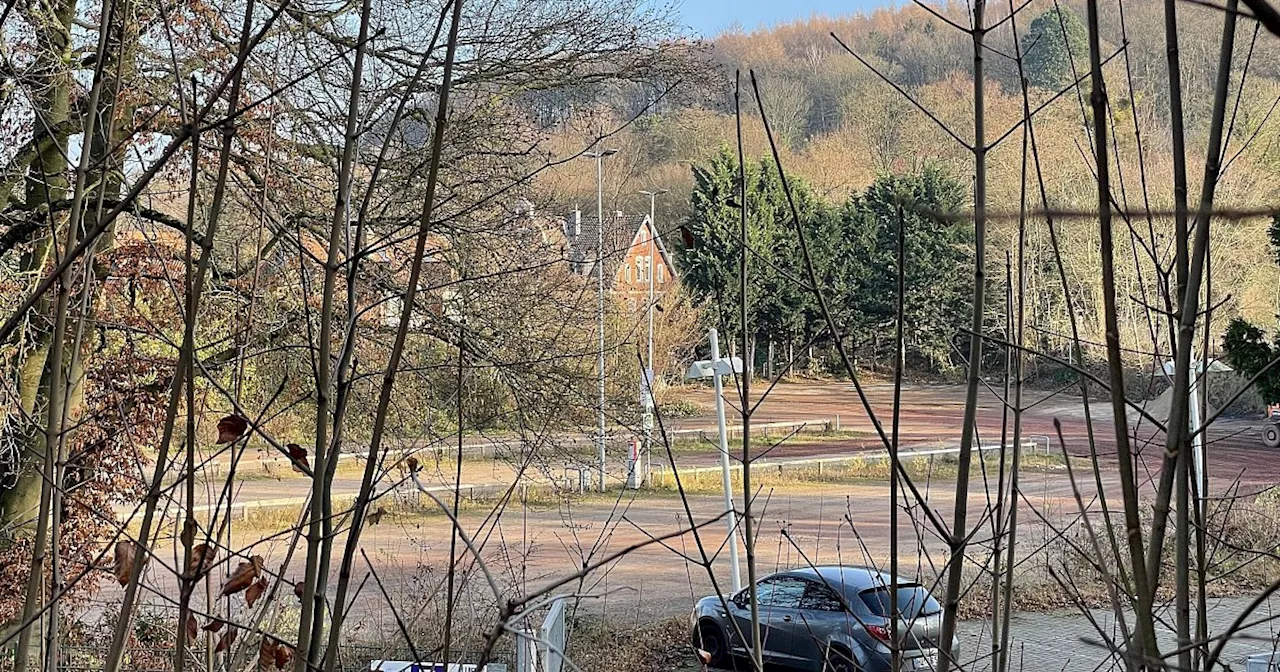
column 581, row 231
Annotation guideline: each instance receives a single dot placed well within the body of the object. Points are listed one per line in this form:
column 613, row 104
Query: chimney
column 577, row 223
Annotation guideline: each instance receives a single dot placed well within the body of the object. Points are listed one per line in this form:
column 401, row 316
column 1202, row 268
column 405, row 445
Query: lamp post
column 599, row 157
column 647, row 421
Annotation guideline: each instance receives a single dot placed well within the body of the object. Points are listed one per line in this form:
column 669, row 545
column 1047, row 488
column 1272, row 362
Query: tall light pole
column 599, row 157
column 649, row 375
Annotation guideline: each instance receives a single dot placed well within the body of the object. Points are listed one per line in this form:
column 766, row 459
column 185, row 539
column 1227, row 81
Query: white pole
column 731, row 518
column 599, row 279
column 600, row 283
column 649, row 374
column 1197, row 439
column 650, row 266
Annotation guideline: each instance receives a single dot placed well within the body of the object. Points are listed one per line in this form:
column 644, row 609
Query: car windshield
column 913, row 600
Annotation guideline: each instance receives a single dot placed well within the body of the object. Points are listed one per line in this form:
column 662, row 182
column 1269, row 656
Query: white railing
column 543, row 650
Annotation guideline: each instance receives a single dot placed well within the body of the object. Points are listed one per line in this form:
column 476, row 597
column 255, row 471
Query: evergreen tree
column 1054, row 39
column 777, row 300
column 938, row 251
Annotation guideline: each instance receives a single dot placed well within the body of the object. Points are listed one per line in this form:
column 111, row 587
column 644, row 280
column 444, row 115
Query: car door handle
column 786, row 619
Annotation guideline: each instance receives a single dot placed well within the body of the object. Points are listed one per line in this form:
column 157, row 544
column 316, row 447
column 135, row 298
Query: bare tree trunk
column 187, row 575
column 959, row 537
column 748, row 525
column 1179, row 437
column 186, row 352
column 320, row 530
column 372, row 460
column 895, row 650
column 1098, row 97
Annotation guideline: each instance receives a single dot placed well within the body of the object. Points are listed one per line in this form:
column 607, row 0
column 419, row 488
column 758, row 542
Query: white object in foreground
column 714, row 368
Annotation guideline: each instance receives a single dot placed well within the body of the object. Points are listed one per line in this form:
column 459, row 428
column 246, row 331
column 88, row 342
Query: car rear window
column 913, row 600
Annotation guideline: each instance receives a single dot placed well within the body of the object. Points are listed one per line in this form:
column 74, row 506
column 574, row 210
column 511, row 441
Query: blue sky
column 709, row 17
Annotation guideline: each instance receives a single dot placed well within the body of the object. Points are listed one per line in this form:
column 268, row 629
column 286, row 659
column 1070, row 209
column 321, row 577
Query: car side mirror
column 740, row 600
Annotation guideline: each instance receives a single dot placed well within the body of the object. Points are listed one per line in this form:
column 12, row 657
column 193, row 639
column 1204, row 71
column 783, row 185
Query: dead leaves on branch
column 274, row 654
column 226, row 640
column 244, row 576
column 126, row 557
column 284, row 654
column 231, row 428
column 202, row 558
column 193, row 627
column 298, row 455
column 256, row 591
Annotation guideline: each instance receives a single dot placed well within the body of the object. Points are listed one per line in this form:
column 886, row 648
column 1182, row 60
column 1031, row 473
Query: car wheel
column 839, row 661
column 711, row 639
column 1271, row 435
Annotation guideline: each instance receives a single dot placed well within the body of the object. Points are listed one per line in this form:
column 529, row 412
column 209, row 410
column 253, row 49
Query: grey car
column 824, row 619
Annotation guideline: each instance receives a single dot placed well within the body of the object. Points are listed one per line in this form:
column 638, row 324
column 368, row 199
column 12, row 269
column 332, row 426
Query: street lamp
column 599, row 157
column 647, row 422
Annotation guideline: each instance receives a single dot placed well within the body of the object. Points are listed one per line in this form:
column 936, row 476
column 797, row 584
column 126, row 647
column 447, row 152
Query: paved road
column 531, row 544
column 932, row 417
column 1066, row 641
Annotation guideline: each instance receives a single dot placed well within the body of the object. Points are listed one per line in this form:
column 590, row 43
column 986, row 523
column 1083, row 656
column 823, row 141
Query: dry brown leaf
column 193, row 628
column 125, row 556
column 298, row 455
column 255, row 591
column 240, row 579
column 299, row 589
column 202, row 557
column 412, row 464
column 226, row 640
column 376, row 516
column 284, row 653
column 267, row 653
column 257, row 562
column 213, row 626
column 231, row 428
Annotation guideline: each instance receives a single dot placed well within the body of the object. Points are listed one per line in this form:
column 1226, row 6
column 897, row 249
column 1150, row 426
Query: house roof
column 582, row 229
column 620, row 230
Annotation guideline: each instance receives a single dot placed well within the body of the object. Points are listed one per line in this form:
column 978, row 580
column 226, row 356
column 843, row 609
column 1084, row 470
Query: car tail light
column 880, row 632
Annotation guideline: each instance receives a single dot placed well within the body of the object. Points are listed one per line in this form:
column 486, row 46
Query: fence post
column 526, row 651
column 553, row 637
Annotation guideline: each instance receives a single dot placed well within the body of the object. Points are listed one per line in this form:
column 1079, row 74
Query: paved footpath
column 1066, row 641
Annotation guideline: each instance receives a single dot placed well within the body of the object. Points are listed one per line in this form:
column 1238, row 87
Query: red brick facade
column 631, row 278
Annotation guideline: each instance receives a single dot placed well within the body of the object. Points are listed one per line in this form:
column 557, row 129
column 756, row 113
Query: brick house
column 632, row 251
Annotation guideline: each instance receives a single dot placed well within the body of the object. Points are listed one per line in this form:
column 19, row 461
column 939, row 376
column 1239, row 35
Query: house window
column 662, row 273
column 628, row 273
column 642, row 268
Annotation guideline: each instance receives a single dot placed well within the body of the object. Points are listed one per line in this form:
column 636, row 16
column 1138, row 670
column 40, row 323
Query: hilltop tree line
column 843, row 128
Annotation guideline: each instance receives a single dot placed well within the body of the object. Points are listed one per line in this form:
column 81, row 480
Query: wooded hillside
column 843, row 124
